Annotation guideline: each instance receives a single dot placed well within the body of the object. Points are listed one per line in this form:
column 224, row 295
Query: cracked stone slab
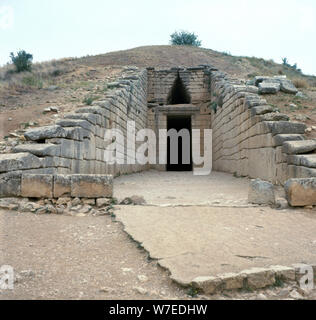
column 197, row 242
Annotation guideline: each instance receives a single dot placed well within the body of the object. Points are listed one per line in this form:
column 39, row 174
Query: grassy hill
column 71, row 82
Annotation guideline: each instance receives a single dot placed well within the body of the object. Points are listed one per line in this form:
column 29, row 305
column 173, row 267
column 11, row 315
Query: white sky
column 270, row 29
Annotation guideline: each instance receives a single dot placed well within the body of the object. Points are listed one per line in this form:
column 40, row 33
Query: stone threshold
column 249, row 279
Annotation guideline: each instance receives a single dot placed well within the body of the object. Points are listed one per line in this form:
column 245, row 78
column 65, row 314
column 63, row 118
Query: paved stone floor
column 183, row 188
column 203, row 226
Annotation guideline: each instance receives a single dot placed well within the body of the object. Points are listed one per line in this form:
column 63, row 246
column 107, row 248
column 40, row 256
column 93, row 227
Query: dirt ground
column 86, row 257
column 22, row 107
column 61, row 257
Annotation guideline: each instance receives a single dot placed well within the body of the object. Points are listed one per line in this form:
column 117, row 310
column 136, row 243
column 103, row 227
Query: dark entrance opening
column 179, row 93
column 178, row 123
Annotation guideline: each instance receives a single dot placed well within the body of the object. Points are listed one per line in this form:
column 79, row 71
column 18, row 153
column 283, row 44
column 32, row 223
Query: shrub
column 22, row 60
column 88, row 100
column 33, row 81
column 184, row 38
column 300, row 83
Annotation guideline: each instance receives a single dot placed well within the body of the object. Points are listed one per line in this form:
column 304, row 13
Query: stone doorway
column 184, row 162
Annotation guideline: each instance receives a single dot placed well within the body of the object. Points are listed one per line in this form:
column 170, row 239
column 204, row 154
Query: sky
column 270, row 29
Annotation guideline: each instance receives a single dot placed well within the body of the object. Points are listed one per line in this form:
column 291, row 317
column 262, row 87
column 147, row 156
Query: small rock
column 301, row 117
column 281, row 204
column 293, row 106
column 107, row 290
column 261, row 297
column 60, row 210
column 301, row 95
column 308, row 207
column 86, row 209
column 140, row 290
column 47, row 110
column 295, row 295
column 126, row 270
column 10, row 119
column 64, row 201
column 52, row 88
column 76, row 208
column 103, row 202
column 142, row 278
column 75, row 202
column 284, row 292
column 261, row 192
column 27, row 208
column 308, row 130
column 134, row 200
column 90, row 202
column 54, row 109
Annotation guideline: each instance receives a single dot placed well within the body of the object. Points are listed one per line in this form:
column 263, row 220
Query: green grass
column 33, row 81
column 192, row 292
column 88, row 100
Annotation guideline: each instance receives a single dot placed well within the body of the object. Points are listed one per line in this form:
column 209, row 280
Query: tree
column 22, row 60
column 285, row 61
column 184, row 38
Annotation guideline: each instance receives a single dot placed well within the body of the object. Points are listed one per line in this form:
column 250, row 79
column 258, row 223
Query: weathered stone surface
column 91, row 186
column 301, row 192
column 275, row 116
column 75, row 123
column 19, row 161
column 261, row 192
column 299, row 147
column 103, row 202
column 39, row 149
column 287, row 86
column 300, row 171
column 268, row 87
column 260, row 79
column 306, row 160
column 37, row 186
column 284, row 273
column 92, row 118
column 259, row 278
column 285, row 127
column 279, row 139
column 232, row 281
column 62, row 186
column 10, row 184
column 209, row 285
column 260, row 110
column 43, row 133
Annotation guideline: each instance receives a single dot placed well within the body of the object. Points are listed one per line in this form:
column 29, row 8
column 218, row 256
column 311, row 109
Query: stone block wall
column 249, row 135
column 250, row 138
column 196, row 80
column 76, row 144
